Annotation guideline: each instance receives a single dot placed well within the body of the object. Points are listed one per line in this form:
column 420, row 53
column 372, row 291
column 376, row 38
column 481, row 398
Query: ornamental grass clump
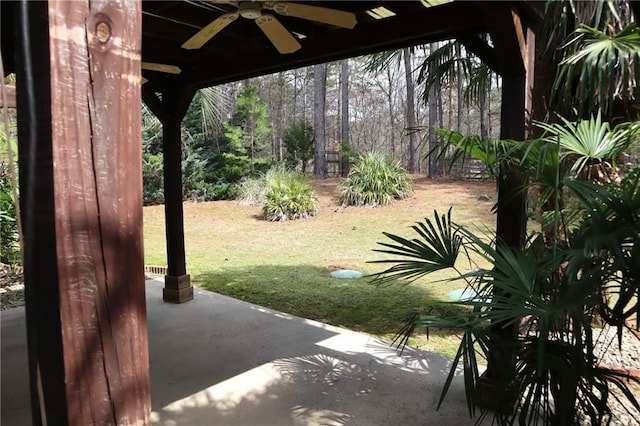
column 252, row 190
column 375, row 181
column 288, row 195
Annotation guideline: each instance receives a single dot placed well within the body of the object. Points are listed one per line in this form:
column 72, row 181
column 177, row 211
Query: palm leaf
column 212, row 104
column 493, row 153
column 588, row 140
column 599, row 68
column 436, row 248
column 381, row 61
column 439, row 67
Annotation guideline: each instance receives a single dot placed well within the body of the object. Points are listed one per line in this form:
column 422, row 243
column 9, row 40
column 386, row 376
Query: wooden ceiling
column 242, row 50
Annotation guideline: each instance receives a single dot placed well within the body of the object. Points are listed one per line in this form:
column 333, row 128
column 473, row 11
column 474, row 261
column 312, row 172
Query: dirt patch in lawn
column 425, row 191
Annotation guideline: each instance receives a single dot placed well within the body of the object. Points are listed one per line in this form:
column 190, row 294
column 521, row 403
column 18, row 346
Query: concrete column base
column 177, row 289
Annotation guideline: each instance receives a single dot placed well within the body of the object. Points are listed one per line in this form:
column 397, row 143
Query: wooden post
column 511, row 221
column 511, row 59
column 170, row 110
column 81, row 181
column 177, row 283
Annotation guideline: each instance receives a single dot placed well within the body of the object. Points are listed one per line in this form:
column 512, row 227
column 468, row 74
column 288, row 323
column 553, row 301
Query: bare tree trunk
column 392, row 136
column 459, row 86
column 295, row 95
column 411, row 110
column 281, row 112
column 434, row 92
column 433, row 122
column 484, row 113
column 319, row 87
column 344, row 127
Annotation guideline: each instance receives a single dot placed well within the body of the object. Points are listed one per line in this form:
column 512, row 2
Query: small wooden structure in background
column 333, row 159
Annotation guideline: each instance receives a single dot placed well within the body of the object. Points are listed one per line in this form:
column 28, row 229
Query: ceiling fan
column 279, row 36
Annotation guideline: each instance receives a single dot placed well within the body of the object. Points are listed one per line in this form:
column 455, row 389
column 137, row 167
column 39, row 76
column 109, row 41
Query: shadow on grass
column 310, row 292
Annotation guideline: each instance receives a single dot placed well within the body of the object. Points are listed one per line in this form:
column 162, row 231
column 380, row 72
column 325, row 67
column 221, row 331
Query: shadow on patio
column 217, row 360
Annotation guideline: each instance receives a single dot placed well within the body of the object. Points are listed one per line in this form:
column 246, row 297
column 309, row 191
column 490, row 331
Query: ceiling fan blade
column 339, row 18
column 279, row 36
column 152, row 66
column 207, row 33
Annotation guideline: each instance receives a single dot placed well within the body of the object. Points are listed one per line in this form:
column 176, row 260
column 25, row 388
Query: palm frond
column 436, row 248
column 493, row 153
column 381, row 61
column 212, row 104
column 599, row 69
column 479, row 82
column 588, row 139
column 439, row 67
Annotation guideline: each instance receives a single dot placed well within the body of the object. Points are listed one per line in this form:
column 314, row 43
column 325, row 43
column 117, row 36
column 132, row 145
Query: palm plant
column 550, row 290
column 583, row 149
column 554, row 290
column 599, row 61
column 284, row 194
column 373, row 181
column 447, row 64
column 592, row 146
column 288, row 195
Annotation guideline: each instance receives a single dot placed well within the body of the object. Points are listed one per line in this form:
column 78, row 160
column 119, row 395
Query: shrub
column 298, row 144
column 290, row 199
column 152, row 179
column 9, row 250
column 283, row 193
column 252, row 190
column 375, row 181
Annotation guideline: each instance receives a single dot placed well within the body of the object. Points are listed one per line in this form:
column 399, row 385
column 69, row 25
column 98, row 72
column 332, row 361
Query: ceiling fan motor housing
column 249, row 9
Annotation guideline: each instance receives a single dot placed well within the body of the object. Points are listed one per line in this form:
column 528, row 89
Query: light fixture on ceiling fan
column 279, row 36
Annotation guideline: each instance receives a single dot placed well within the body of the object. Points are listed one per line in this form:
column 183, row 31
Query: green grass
column 285, row 265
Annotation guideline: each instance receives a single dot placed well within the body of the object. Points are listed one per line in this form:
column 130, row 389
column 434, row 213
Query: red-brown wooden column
column 81, row 194
column 511, row 49
column 170, row 110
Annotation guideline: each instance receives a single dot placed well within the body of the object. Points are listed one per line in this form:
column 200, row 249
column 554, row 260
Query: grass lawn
column 285, row 266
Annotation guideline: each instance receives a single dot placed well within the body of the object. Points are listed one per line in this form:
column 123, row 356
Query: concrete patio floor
column 219, row 361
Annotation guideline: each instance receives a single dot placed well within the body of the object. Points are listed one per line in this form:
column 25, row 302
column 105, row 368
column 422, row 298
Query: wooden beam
column 511, row 218
column 435, row 24
column 508, row 37
column 487, row 54
column 92, row 291
column 511, row 224
column 170, row 109
column 154, row 103
column 530, row 131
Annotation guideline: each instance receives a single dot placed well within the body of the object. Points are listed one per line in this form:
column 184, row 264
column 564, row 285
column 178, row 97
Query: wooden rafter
column 508, row 37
